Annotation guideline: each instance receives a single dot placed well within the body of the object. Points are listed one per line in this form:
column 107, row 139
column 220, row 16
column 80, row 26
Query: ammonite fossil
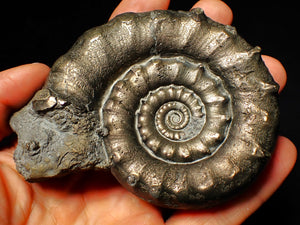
column 180, row 108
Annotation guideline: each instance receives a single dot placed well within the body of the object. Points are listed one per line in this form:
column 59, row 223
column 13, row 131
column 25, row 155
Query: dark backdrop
column 42, row 32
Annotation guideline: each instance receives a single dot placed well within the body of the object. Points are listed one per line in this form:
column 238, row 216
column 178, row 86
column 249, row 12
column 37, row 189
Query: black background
column 41, row 32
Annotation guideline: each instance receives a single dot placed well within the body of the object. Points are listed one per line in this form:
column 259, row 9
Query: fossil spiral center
column 175, row 115
column 174, row 108
column 175, row 121
column 168, row 117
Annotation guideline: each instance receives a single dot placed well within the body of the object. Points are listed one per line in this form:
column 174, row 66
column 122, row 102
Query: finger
column 17, row 85
column 238, row 210
column 120, row 207
column 15, row 196
column 216, row 10
column 276, row 69
column 139, row 6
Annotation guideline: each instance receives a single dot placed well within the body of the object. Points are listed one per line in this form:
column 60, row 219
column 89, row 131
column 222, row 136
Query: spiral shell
column 180, row 107
column 183, row 111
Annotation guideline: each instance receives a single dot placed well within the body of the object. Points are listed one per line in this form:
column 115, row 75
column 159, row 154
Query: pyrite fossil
column 180, row 108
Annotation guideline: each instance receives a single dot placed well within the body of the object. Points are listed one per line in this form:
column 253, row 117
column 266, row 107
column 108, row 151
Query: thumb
column 17, row 86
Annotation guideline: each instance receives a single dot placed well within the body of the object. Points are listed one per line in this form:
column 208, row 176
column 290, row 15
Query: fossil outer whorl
column 180, row 107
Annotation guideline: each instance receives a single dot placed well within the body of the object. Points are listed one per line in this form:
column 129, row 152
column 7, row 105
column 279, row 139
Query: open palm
column 96, row 197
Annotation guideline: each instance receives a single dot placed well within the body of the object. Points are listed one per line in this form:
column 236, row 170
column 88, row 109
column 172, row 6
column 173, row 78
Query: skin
column 96, row 197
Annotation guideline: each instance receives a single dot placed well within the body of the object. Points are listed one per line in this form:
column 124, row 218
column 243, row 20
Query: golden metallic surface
column 180, row 108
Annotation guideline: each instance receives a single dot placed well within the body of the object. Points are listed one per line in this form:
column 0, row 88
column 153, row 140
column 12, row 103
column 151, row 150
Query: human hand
column 96, row 197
